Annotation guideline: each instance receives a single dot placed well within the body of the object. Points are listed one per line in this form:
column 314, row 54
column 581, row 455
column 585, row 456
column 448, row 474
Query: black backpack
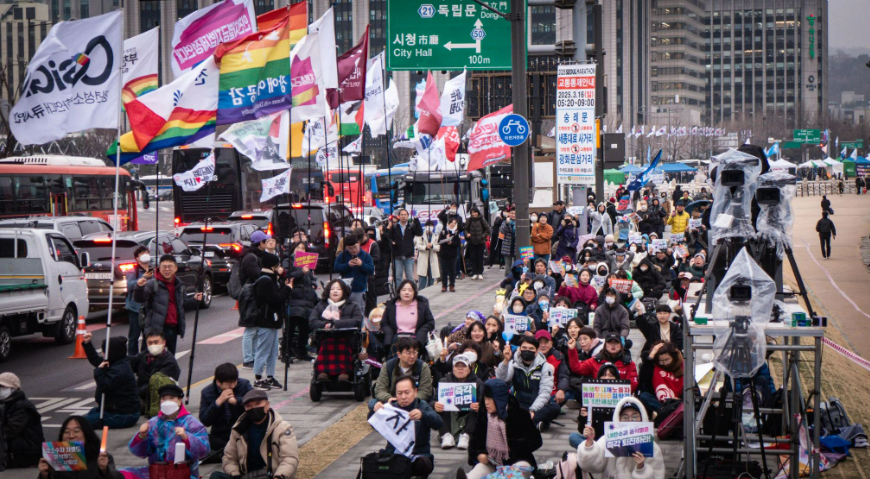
column 249, row 310
column 234, row 286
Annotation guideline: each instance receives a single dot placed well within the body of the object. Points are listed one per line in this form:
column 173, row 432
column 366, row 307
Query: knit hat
column 10, row 380
column 477, row 315
column 608, row 238
column 269, row 260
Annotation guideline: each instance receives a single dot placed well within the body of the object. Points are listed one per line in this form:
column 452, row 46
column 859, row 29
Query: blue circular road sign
column 513, row 130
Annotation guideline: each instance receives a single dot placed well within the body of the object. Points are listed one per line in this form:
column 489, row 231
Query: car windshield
column 213, row 236
column 101, row 250
column 436, row 193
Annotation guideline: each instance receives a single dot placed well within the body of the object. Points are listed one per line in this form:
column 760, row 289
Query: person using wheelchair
column 335, row 355
column 407, row 315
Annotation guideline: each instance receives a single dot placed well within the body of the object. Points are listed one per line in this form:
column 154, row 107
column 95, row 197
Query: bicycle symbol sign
column 513, row 130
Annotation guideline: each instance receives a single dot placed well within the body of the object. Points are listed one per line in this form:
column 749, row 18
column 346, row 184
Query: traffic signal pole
column 520, row 160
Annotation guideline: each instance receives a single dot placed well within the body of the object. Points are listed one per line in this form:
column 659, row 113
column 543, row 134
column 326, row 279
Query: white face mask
column 155, row 349
column 5, row 392
column 428, row 229
column 608, row 244
column 538, row 286
column 472, row 357
column 533, row 219
column 145, row 258
column 610, row 300
column 644, row 268
column 168, row 408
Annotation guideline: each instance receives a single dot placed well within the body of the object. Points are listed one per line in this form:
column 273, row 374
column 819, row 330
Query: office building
column 23, row 25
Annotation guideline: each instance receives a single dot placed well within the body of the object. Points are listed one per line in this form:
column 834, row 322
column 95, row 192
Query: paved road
column 162, row 212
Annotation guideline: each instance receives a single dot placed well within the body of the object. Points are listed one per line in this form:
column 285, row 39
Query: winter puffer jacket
column 270, row 296
column 117, row 381
column 651, row 281
column 532, row 384
column 302, row 298
column 509, row 231
column 611, row 319
column 22, row 426
column 159, row 444
column 158, row 303
column 425, row 321
column 350, row 316
column 476, row 230
column 145, row 365
column 590, row 367
column 567, row 238
column 279, row 438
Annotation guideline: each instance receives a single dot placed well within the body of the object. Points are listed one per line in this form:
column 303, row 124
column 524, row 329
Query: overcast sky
column 847, row 25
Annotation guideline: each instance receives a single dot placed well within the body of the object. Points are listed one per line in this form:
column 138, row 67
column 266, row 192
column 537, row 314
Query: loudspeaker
column 614, row 149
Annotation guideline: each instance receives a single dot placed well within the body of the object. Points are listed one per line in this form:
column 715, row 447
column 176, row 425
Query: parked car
column 260, row 219
column 73, row 227
column 370, row 214
column 100, row 276
column 224, row 243
column 41, row 286
column 324, row 224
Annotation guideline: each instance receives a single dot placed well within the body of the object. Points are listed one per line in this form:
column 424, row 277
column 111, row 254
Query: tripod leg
column 722, row 409
column 707, row 276
column 736, row 413
column 758, row 425
column 800, row 280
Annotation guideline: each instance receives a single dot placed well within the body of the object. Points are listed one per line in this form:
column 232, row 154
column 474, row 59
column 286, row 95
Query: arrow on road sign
column 477, row 26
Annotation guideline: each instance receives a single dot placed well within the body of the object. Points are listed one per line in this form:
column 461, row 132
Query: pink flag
column 485, row 146
column 430, row 109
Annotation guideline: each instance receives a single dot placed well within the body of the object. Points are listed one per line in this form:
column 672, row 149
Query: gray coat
column 600, row 221
column 158, row 303
column 611, row 319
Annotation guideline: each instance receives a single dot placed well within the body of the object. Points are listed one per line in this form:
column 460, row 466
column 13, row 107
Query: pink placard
column 301, row 260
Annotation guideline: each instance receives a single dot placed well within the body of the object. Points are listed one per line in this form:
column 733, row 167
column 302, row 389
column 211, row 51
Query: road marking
column 225, row 337
column 181, row 354
column 834, row 283
column 52, row 403
column 85, row 386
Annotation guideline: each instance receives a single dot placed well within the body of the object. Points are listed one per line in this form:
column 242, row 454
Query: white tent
column 781, row 165
column 836, row 166
column 813, row 164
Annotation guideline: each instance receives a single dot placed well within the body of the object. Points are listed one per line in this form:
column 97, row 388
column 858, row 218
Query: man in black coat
column 21, row 422
column 156, row 359
column 556, row 216
column 220, row 406
column 403, row 234
column 114, row 377
column 650, row 281
column 826, row 203
column 825, row 227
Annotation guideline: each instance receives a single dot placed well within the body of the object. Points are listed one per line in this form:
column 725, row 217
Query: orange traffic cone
column 236, row 307
column 80, row 348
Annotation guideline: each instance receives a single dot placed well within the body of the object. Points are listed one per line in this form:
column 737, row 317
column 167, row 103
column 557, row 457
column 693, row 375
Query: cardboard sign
column 457, row 396
column 65, row 456
column 622, row 439
column 516, row 324
column 621, row 285
column 604, row 395
column 659, row 245
column 557, row 267
column 678, row 238
column 396, row 427
column 561, row 316
column 302, row 259
column 695, row 224
column 527, row 252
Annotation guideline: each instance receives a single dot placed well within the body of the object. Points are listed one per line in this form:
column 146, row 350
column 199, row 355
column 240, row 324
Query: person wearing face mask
column 115, row 379
column 611, row 317
column 458, row 426
column 21, row 423
column 661, row 376
column 101, row 465
column 543, row 282
column 136, row 330
column 566, row 237
column 639, row 250
column 517, row 307
column 656, row 216
column 495, row 241
column 660, row 325
column 602, row 224
column 300, row 303
column 613, row 353
column 542, row 233
column 154, row 367
column 402, row 239
column 600, row 277
column 645, row 225
column 538, row 311
column 270, row 295
column 532, row 380
column 262, row 443
column 591, row 457
column 650, row 281
column 664, row 263
column 450, row 213
column 157, row 438
column 428, row 264
column 450, row 247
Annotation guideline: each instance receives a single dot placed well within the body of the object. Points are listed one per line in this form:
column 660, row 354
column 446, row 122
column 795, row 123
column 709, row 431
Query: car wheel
column 5, row 344
column 206, row 292
column 66, row 329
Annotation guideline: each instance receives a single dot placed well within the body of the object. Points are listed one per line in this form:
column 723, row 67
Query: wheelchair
column 360, row 383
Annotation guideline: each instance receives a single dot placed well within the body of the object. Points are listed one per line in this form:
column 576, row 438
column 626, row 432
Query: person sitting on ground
column 505, row 434
column 660, row 326
column 599, row 279
column 494, row 328
column 517, row 307
column 335, row 311
column 611, row 317
column 461, row 332
column 591, row 457
column 165, row 298
column 619, row 259
column 584, row 292
column 425, row 420
column 538, row 311
column 21, row 423
column 154, row 367
column 532, row 379
column 588, row 343
column 477, row 346
column 608, row 372
column 100, row 464
column 636, row 293
column 613, row 353
column 542, row 281
column 406, row 363
column 458, row 426
column 696, row 267
column 661, row 376
column 560, row 365
column 157, row 438
column 640, row 252
column 115, row 380
column 260, row 435
column 649, row 280
column 663, row 261
column 220, row 406
column 372, row 329
column 408, row 315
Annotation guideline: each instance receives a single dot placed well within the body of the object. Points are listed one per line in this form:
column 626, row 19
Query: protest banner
column 571, row 281
column 597, row 395
column 561, row 316
column 659, row 245
column 557, row 267
column 516, row 324
column 635, row 238
column 457, row 396
column 694, row 224
column 678, row 238
column 527, row 252
column 302, row 259
column 623, row 205
column 681, row 251
column 621, row 285
column 65, row 456
column 623, row 439
column 199, row 175
column 396, row 427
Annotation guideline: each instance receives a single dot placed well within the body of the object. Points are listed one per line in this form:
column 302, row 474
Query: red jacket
column 555, row 362
column 666, row 385
column 586, row 294
column 590, row 367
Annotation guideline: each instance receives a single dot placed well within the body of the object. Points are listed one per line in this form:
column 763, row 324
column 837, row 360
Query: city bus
column 428, row 193
column 158, row 185
column 56, row 185
column 378, row 185
column 238, row 186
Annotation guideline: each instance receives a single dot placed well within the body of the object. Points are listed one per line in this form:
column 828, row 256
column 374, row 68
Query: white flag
column 277, row 185
column 139, row 65
column 619, row 130
column 652, row 131
column 375, row 101
column 433, row 158
column 73, row 81
column 392, row 98
column 325, row 28
column 199, row 175
column 327, row 157
column 309, row 95
column 419, row 89
column 661, row 131
column 396, row 426
column 551, row 134
column 264, row 140
column 355, row 146
column 453, row 101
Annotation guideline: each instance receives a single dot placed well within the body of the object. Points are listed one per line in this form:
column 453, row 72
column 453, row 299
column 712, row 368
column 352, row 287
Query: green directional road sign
column 447, row 35
column 808, row 136
column 791, row 144
column 852, row 144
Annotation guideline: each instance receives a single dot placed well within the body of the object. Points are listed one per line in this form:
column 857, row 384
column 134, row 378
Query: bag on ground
column 379, row 465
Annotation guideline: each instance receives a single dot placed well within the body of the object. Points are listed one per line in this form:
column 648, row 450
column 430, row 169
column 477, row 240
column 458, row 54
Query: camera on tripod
column 732, row 178
column 740, row 292
column 767, row 196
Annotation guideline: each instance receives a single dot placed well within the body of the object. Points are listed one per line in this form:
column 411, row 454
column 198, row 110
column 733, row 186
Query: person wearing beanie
column 21, row 422
column 114, row 377
column 476, row 232
column 271, row 292
column 602, row 224
column 165, row 297
column 609, row 243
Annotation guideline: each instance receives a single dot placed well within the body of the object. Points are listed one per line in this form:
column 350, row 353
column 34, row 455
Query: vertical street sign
column 575, row 124
column 447, row 35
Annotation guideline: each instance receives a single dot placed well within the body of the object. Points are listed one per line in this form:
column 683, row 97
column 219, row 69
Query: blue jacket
column 567, row 237
column 359, row 274
column 132, row 277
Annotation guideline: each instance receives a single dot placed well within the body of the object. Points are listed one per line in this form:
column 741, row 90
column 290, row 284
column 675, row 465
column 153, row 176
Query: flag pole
column 199, row 287
column 116, row 224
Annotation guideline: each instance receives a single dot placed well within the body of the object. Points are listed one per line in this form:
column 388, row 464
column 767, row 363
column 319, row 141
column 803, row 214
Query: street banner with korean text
column 199, row 175
column 277, row 185
column 604, row 394
column 457, row 396
column 374, row 114
column 197, row 35
column 263, row 140
column 575, row 124
column 309, row 96
column 624, row 439
column 139, row 66
column 485, row 146
column 453, row 101
column 73, row 81
column 396, row 426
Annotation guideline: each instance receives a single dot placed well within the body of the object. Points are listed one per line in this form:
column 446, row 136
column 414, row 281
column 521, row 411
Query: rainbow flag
column 297, row 14
column 176, row 114
column 139, row 67
column 138, row 87
column 255, row 76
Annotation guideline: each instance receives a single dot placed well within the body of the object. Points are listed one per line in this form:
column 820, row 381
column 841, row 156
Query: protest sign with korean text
column 623, row 439
column 621, row 285
column 695, row 223
column 516, row 324
column 65, row 456
column 597, row 395
column 396, row 426
column 677, row 238
column 302, row 259
column 200, row 174
column 457, row 396
column 557, row 267
column 561, row 316
column 575, row 124
column 527, row 252
column 659, row 245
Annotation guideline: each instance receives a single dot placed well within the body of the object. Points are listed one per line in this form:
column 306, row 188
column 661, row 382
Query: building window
column 31, row 13
column 85, row 9
column 543, row 25
column 185, row 8
column 263, row 6
column 17, row 13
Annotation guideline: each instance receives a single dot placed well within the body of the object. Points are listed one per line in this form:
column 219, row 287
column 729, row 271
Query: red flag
column 451, row 141
column 485, row 146
column 430, row 108
column 351, row 73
